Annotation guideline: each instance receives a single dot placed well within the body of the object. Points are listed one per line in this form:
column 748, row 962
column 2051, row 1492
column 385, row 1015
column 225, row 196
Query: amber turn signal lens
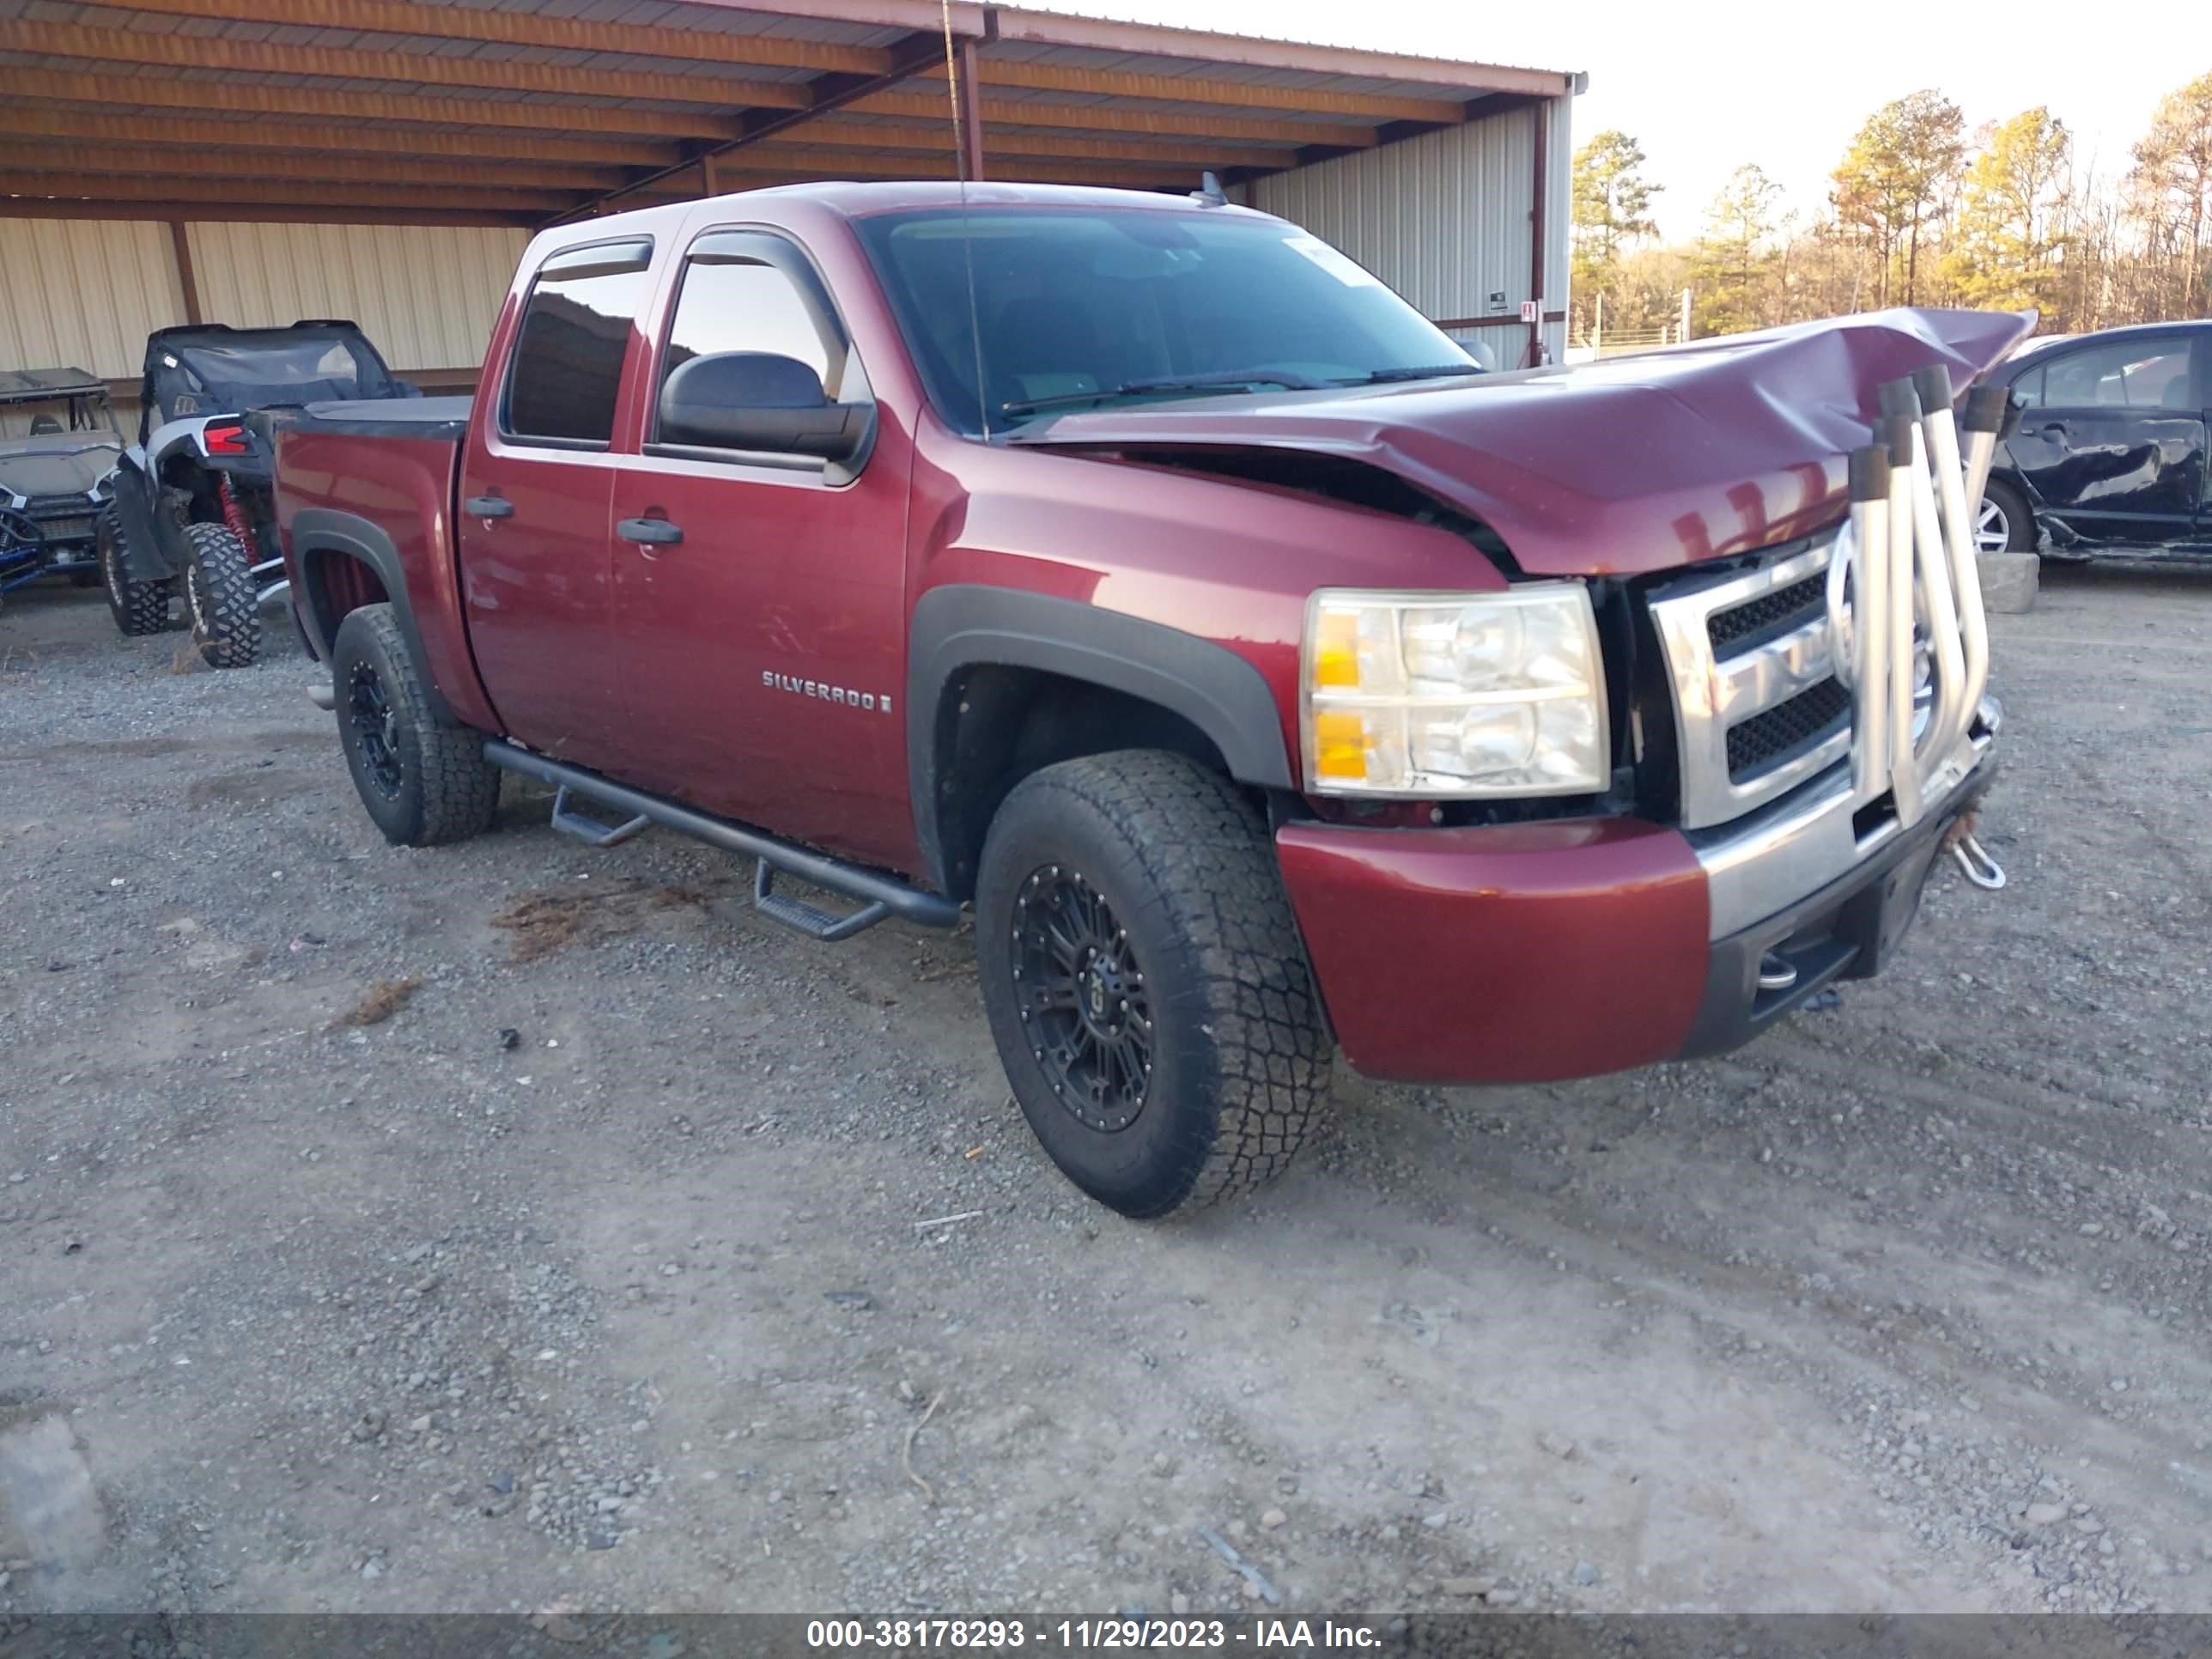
column 1336, row 648
column 1340, row 744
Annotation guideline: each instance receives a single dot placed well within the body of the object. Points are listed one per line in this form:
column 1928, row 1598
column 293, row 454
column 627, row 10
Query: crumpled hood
column 56, row 464
column 1615, row 467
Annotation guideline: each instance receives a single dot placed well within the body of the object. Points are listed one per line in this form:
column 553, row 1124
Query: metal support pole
column 1541, row 114
column 971, row 113
column 187, row 282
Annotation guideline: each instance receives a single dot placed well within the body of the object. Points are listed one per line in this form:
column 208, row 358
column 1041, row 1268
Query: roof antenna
column 966, row 242
column 1209, row 192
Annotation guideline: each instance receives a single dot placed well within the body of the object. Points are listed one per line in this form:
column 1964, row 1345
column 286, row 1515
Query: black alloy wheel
column 1084, row 1004
column 375, row 729
column 422, row 780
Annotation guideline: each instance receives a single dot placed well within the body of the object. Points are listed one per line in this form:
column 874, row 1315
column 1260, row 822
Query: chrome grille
column 1788, row 730
column 1776, row 612
column 1758, row 708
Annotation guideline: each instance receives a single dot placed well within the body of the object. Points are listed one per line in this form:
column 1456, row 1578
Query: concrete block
column 2009, row 582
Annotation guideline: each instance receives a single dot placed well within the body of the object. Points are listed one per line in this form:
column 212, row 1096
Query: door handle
column 2056, row 428
column 652, row 533
column 488, row 507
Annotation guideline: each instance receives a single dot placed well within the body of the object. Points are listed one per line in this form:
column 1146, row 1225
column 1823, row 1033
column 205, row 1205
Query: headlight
column 1454, row 695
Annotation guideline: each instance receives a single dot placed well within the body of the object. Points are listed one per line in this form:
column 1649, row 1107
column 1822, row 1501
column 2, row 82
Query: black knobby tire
column 220, row 596
column 139, row 608
column 423, row 783
column 1172, row 873
column 2018, row 517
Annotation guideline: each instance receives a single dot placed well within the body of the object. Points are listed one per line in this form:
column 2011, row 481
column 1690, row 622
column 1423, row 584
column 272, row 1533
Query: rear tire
column 220, row 595
column 2005, row 511
column 139, row 608
column 423, row 783
column 1145, row 983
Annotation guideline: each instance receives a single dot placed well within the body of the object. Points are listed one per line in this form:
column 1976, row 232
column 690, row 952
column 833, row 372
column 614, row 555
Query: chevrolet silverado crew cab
column 1146, row 574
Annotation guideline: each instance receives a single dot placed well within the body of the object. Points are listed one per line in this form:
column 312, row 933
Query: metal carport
column 163, row 160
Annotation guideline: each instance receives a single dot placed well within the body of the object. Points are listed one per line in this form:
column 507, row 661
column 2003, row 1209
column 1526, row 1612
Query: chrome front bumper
column 1808, row 841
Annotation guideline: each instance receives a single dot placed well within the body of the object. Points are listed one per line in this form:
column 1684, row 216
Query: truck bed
column 373, row 478
column 444, row 419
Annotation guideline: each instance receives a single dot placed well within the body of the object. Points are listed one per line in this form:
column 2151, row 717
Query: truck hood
column 1620, row 466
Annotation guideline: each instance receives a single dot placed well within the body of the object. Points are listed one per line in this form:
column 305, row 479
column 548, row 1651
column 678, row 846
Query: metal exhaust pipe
column 1869, row 491
column 1900, row 400
column 1988, row 408
column 1939, row 430
column 1904, row 776
column 1932, row 568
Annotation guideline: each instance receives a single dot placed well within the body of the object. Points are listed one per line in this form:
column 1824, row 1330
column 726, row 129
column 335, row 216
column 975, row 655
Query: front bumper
column 1537, row 952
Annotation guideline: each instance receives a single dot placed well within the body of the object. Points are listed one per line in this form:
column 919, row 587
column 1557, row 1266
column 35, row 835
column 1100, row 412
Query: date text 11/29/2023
column 1087, row 1635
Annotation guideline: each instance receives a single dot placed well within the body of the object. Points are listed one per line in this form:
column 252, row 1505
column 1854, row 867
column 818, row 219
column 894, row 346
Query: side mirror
column 758, row 401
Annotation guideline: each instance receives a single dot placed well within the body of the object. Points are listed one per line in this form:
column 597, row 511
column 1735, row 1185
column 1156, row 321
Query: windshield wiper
column 1427, row 372
column 1222, row 380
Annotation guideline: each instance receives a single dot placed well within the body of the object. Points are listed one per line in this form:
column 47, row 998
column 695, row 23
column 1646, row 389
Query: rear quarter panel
column 335, row 487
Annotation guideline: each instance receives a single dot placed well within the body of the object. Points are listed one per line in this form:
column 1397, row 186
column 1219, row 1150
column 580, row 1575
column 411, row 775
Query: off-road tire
column 220, row 597
column 1239, row 1057
column 422, row 782
column 139, row 608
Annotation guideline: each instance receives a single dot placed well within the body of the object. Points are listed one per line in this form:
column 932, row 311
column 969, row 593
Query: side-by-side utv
column 191, row 516
column 58, row 445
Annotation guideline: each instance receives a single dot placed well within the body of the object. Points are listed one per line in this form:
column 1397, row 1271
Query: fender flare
column 960, row 626
column 147, row 555
column 163, row 441
column 320, row 530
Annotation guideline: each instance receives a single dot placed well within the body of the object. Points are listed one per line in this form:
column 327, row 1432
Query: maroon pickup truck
column 1144, row 574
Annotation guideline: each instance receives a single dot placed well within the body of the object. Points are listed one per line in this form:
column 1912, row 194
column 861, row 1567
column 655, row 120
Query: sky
column 1705, row 85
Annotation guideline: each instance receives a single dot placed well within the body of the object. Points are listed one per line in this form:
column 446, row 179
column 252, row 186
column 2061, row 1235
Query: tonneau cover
column 436, row 418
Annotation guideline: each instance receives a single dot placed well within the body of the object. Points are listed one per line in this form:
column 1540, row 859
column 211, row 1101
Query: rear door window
column 2135, row 373
column 567, row 365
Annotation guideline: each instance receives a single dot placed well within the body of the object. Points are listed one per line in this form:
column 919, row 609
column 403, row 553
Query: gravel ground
column 589, row 1275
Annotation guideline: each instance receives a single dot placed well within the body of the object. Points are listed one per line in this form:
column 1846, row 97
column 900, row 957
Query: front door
column 535, row 488
column 2112, row 438
column 759, row 595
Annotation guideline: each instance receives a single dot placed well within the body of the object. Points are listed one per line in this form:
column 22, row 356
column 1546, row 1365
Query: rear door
column 536, row 485
column 2112, row 437
column 759, row 595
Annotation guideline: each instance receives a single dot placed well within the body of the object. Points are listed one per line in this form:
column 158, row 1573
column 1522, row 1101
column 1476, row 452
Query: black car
column 2109, row 456
column 193, row 515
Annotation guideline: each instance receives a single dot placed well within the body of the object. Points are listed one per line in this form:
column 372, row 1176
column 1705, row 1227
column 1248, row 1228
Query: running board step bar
column 588, row 829
column 880, row 897
column 810, row 918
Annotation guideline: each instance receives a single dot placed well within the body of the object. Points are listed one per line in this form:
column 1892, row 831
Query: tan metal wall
column 427, row 295
column 83, row 294
column 1444, row 218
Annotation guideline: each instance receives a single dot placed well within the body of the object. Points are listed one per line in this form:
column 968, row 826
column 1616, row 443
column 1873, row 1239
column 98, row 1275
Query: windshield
column 228, row 375
column 1086, row 300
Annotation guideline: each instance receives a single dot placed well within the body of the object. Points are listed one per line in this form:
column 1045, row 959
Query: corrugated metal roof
column 632, row 70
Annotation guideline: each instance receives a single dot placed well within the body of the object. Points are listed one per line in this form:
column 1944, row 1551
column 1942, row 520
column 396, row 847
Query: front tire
column 1145, row 983
column 423, row 783
column 220, row 594
column 139, row 608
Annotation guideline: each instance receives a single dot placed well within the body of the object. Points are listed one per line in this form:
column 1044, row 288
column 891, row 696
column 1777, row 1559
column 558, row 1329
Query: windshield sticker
column 1347, row 271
